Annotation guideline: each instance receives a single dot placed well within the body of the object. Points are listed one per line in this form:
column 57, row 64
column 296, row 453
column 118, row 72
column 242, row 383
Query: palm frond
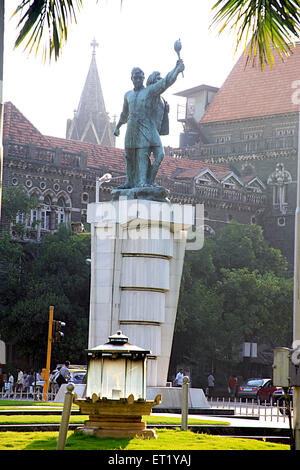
column 268, row 24
column 47, row 21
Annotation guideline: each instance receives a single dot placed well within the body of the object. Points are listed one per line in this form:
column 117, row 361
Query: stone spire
column 91, row 122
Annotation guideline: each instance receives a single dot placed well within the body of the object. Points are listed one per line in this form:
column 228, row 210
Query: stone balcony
column 48, row 156
column 206, row 151
column 194, row 193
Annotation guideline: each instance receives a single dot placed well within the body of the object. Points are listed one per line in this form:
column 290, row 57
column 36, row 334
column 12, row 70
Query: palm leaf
column 272, row 25
column 45, row 20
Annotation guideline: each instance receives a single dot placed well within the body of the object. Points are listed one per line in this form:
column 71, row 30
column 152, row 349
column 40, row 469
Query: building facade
column 250, row 125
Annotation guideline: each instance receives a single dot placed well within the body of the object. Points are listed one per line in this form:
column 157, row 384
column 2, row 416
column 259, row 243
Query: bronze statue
column 142, row 111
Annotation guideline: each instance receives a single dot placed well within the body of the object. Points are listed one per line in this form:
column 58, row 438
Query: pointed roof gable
column 252, row 181
column 189, row 169
column 91, row 119
column 249, row 92
column 91, row 100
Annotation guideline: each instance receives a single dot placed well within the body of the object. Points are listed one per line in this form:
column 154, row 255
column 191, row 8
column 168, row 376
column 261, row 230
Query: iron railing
column 251, row 408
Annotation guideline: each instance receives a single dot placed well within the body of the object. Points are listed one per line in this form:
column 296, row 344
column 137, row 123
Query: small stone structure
column 116, row 418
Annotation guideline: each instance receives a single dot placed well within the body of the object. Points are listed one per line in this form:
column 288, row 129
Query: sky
column 131, row 33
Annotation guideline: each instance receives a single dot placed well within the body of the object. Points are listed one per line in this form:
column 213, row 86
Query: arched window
column 47, row 220
column 61, row 202
column 61, row 213
column 47, row 200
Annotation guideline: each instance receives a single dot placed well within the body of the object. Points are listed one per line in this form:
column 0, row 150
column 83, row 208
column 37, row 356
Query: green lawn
column 166, row 440
column 11, row 404
column 38, row 419
column 174, row 439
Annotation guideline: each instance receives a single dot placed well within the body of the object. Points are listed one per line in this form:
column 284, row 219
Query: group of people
column 25, row 382
column 232, row 383
column 22, row 383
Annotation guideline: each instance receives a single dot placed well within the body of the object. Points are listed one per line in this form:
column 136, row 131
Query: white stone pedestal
column 172, row 397
column 136, row 265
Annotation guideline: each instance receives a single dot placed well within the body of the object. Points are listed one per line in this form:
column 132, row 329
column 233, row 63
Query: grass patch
column 166, row 440
column 28, row 404
column 55, row 419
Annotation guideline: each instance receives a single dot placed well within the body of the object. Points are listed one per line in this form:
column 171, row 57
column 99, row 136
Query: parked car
column 250, row 389
column 78, row 377
column 279, row 399
column 265, row 393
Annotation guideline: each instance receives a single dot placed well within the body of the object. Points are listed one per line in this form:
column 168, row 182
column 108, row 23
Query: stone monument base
column 116, row 418
column 120, row 429
column 172, row 397
column 152, row 193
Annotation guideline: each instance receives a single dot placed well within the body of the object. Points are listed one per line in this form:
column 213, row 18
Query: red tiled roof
column 187, row 169
column 250, row 92
column 98, row 155
column 17, row 128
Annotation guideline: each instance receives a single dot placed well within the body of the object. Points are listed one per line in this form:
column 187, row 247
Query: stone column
column 136, row 265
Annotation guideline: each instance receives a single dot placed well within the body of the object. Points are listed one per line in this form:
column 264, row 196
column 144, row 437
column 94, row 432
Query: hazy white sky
column 140, row 33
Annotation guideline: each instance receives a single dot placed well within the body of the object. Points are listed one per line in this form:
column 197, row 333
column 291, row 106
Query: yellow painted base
column 117, row 433
column 116, row 418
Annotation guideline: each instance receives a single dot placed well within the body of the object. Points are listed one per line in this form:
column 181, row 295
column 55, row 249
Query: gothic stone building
column 250, row 125
column 61, row 173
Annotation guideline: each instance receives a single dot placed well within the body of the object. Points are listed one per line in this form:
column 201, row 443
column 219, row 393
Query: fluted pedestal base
column 137, row 256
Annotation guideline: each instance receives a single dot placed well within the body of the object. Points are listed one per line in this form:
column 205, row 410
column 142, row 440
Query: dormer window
column 229, row 185
column 254, row 189
column 204, row 181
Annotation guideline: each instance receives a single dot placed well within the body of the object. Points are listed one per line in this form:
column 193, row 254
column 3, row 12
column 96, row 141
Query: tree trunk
column 1, row 98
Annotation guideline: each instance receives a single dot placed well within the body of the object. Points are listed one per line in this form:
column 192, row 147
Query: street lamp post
column 106, row 178
column 185, row 404
column 1, row 96
column 296, row 318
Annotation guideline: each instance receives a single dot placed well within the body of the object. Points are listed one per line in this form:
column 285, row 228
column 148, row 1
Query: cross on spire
column 94, row 44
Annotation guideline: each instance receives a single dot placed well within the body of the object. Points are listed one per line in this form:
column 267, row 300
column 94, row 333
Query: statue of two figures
column 146, row 114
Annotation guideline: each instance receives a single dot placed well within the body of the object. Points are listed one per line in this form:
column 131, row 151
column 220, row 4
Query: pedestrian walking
column 29, row 382
column 179, row 378
column 232, row 385
column 9, row 386
column 20, row 381
column 210, row 384
column 64, row 374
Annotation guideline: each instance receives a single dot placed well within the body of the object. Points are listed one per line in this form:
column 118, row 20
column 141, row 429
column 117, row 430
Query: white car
column 77, row 377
